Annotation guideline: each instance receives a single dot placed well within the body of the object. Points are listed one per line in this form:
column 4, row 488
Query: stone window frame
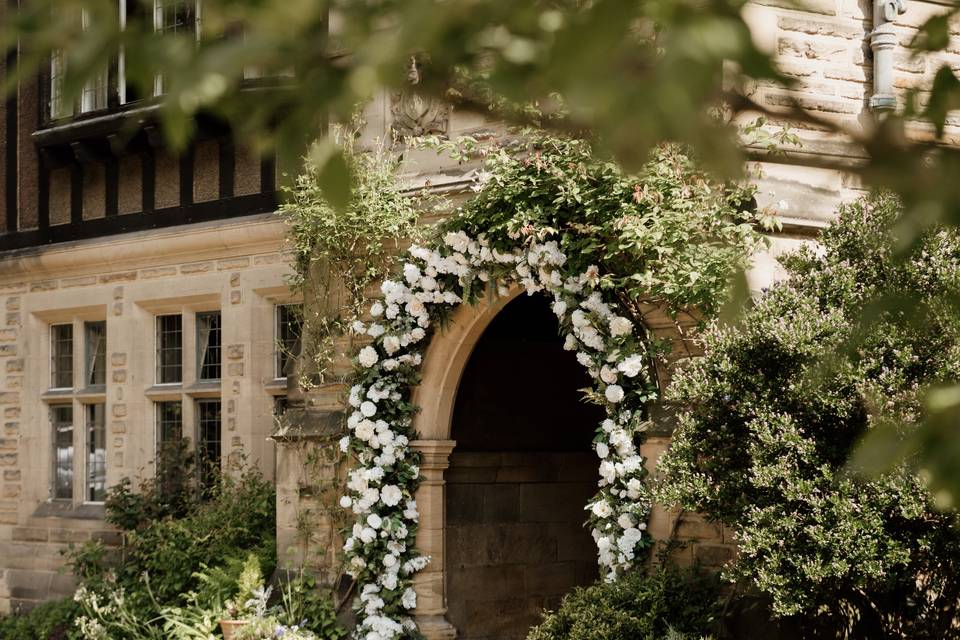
column 159, row 26
column 272, row 298
column 279, row 341
column 94, row 95
column 190, row 388
column 78, row 398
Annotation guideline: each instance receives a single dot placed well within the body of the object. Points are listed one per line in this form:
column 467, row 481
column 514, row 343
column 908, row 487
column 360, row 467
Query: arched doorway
column 519, row 477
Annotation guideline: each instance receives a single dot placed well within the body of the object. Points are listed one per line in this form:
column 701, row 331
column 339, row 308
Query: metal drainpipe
column 883, row 40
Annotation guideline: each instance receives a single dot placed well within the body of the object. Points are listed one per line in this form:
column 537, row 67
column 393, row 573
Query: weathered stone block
column 29, row 534
column 46, row 285
column 196, row 267
column 235, row 351
column 121, row 276
column 15, row 365
column 713, row 555
column 118, row 359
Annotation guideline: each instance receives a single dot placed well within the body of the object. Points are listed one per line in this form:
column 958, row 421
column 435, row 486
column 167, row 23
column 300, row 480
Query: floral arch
column 495, row 248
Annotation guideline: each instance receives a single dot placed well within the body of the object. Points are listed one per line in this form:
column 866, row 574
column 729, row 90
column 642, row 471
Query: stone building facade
column 108, row 249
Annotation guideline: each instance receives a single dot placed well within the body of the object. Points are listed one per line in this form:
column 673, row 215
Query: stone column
column 430, row 584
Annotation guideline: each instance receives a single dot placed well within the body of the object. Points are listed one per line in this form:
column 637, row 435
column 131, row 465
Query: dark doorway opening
column 519, row 477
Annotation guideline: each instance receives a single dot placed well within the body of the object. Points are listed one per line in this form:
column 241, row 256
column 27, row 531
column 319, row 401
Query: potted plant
column 250, row 601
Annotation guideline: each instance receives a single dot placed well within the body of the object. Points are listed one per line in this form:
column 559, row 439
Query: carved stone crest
column 414, row 114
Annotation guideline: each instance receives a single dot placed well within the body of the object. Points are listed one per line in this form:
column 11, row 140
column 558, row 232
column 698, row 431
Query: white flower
column 368, row 535
column 344, row 443
column 368, row 356
column 374, row 521
column 358, row 327
column 375, row 330
column 368, row 409
column 376, row 309
column 626, row 520
column 620, row 326
column 409, row 599
column 570, row 342
column 631, row 366
column 559, row 308
column 608, row 375
column 608, row 471
column 365, row 430
column 389, row 581
column 346, row 502
column 391, row 495
column 601, row 509
column 391, row 344
column 411, row 272
column 602, row 449
column 614, row 393
column 579, row 318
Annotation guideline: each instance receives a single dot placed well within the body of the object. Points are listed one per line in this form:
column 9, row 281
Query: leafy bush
column 666, row 603
column 182, row 549
column 776, row 406
column 48, row 621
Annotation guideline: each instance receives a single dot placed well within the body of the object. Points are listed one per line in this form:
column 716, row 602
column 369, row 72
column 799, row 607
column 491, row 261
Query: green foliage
column 48, row 621
column 780, row 400
column 669, row 235
column 169, row 493
column 340, row 251
column 183, row 560
column 665, row 603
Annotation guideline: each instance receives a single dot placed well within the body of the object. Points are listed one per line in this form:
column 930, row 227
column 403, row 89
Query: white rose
column 368, row 535
column 368, row 409
column 391, row 344
column 608, row 375
column 411, row 272
column 626, row 520
column 344, row 443
column 559, row 308
column 346, row 502
column 376, row 309
column 375, row 330
column 368, row 356
column 409, row 599
column 570, row 342
column 601, row 509
column 374, row 521
column 614, row 393
column 631, row 366
column 358, row 327
column 620, row 326
column 391, row 495
column 602, row 449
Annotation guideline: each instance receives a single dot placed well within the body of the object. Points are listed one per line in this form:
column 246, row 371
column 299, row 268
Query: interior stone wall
column 515, row 538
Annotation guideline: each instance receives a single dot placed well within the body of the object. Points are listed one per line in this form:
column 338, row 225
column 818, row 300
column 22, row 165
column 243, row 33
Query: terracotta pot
column 229, row 627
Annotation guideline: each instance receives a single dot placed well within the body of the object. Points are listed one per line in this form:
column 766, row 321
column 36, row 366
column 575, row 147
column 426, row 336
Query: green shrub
column 48, row 621
column 777, row 404
column 181, row 548
column 666, row 603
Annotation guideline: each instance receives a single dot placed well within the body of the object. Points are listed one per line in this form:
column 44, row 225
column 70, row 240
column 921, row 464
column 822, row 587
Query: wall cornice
column 262, row 233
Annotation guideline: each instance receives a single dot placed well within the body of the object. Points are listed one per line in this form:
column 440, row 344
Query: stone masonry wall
column 127, row 292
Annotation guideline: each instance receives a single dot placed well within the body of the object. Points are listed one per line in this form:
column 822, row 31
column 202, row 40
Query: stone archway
column 521, row 472
column 443, row 365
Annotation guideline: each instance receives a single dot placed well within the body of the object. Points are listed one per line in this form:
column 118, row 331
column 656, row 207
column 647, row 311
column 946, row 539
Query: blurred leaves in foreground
column 627, row 74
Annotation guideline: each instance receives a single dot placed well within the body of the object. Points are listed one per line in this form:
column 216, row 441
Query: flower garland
column 381, row 487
